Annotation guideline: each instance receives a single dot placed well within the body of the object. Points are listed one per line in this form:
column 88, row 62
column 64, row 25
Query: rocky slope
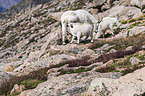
column 23, row 4
column 33, row 61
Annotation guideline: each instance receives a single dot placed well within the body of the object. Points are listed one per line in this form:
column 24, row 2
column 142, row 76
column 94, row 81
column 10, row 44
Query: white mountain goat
column 105, row 24
column 77, row 16
column 78, row 30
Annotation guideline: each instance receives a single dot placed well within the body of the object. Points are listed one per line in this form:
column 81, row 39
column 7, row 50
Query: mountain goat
column 105, row 24
column 77, row 16
column 79, row 29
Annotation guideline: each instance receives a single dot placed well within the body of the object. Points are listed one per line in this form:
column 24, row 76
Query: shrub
column 79, row 62
column 97, row 44
column 138, row 23
column 124, row 22
column 118, row 54
column 106, row 69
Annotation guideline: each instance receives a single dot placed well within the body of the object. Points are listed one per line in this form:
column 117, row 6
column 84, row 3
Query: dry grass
column 118, row 54
column 121, row 44
column 79, row 62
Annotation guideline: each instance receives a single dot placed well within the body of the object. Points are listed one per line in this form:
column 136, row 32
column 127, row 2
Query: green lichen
column 31, row 83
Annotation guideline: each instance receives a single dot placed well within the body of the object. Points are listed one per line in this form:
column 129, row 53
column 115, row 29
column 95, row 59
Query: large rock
column 134, row 60
column 129, row 48
column 70, row 48
column 87, row 52
column 121, row 12
column 9, row 68
column 128, row 85
column 114, row 11
column 136, row 30
column 98, row 2
column 34, row 56
column 68, row 84
column 137, row 15
column 128, row 12
column 44, row 62
column 56, row 15
column 143, row 6
column 136, row 3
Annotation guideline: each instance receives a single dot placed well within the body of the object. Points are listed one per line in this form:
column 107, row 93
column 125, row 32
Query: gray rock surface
column 134, row 60
column 136, row 30
column 127, row 85
column 68, row 84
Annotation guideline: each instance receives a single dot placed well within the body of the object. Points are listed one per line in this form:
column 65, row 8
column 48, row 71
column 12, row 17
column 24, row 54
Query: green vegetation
column 124, row 22
column 31, row 83
column 124, row 64
column 79, row 70
column 131, row 20
column 139, row 55
column 137, row 23
column 131, row 69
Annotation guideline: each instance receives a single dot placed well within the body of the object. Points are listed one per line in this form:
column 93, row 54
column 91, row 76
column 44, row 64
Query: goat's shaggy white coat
column 78, row 30
column 78, row 16
column 105, row 24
